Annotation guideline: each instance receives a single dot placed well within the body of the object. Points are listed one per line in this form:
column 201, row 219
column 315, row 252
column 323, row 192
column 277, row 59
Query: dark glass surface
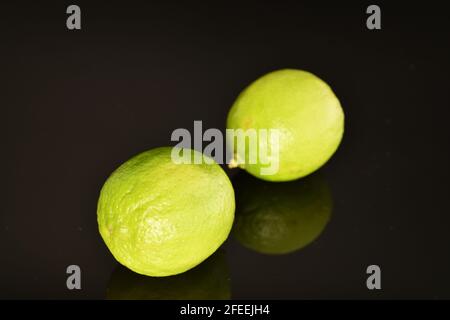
column 76, row 104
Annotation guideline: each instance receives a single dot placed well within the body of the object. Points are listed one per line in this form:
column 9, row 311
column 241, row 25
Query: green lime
column 208, row 281
column 306, row 114
column 160, row 218
column 278, row 218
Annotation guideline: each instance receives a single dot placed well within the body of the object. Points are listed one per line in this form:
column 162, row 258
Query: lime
column 209, row 280
column 306, row 114
column 160, row 218
column 278, row 218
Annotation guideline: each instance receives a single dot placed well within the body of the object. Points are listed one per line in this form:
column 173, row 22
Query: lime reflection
column 279, row 218
column 209, row 280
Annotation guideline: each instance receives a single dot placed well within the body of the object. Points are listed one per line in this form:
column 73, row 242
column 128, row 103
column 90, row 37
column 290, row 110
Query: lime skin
column 306, row 114
column 161, row 218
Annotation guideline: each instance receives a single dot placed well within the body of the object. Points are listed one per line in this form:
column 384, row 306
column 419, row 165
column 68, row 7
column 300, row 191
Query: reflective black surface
column 77, row 104
column 208, row 281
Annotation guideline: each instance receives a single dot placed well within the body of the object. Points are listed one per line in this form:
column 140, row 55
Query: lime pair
column 161, row 218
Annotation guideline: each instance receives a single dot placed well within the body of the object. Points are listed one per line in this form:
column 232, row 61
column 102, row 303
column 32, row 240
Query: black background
column 76, row 104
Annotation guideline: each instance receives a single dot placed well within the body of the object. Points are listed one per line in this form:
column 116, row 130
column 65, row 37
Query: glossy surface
column 76, row 105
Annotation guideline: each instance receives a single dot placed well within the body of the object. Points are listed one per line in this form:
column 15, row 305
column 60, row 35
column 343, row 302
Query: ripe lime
column 307, row 114
column 160, row 218
column 209, row 280
column 278, row 218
